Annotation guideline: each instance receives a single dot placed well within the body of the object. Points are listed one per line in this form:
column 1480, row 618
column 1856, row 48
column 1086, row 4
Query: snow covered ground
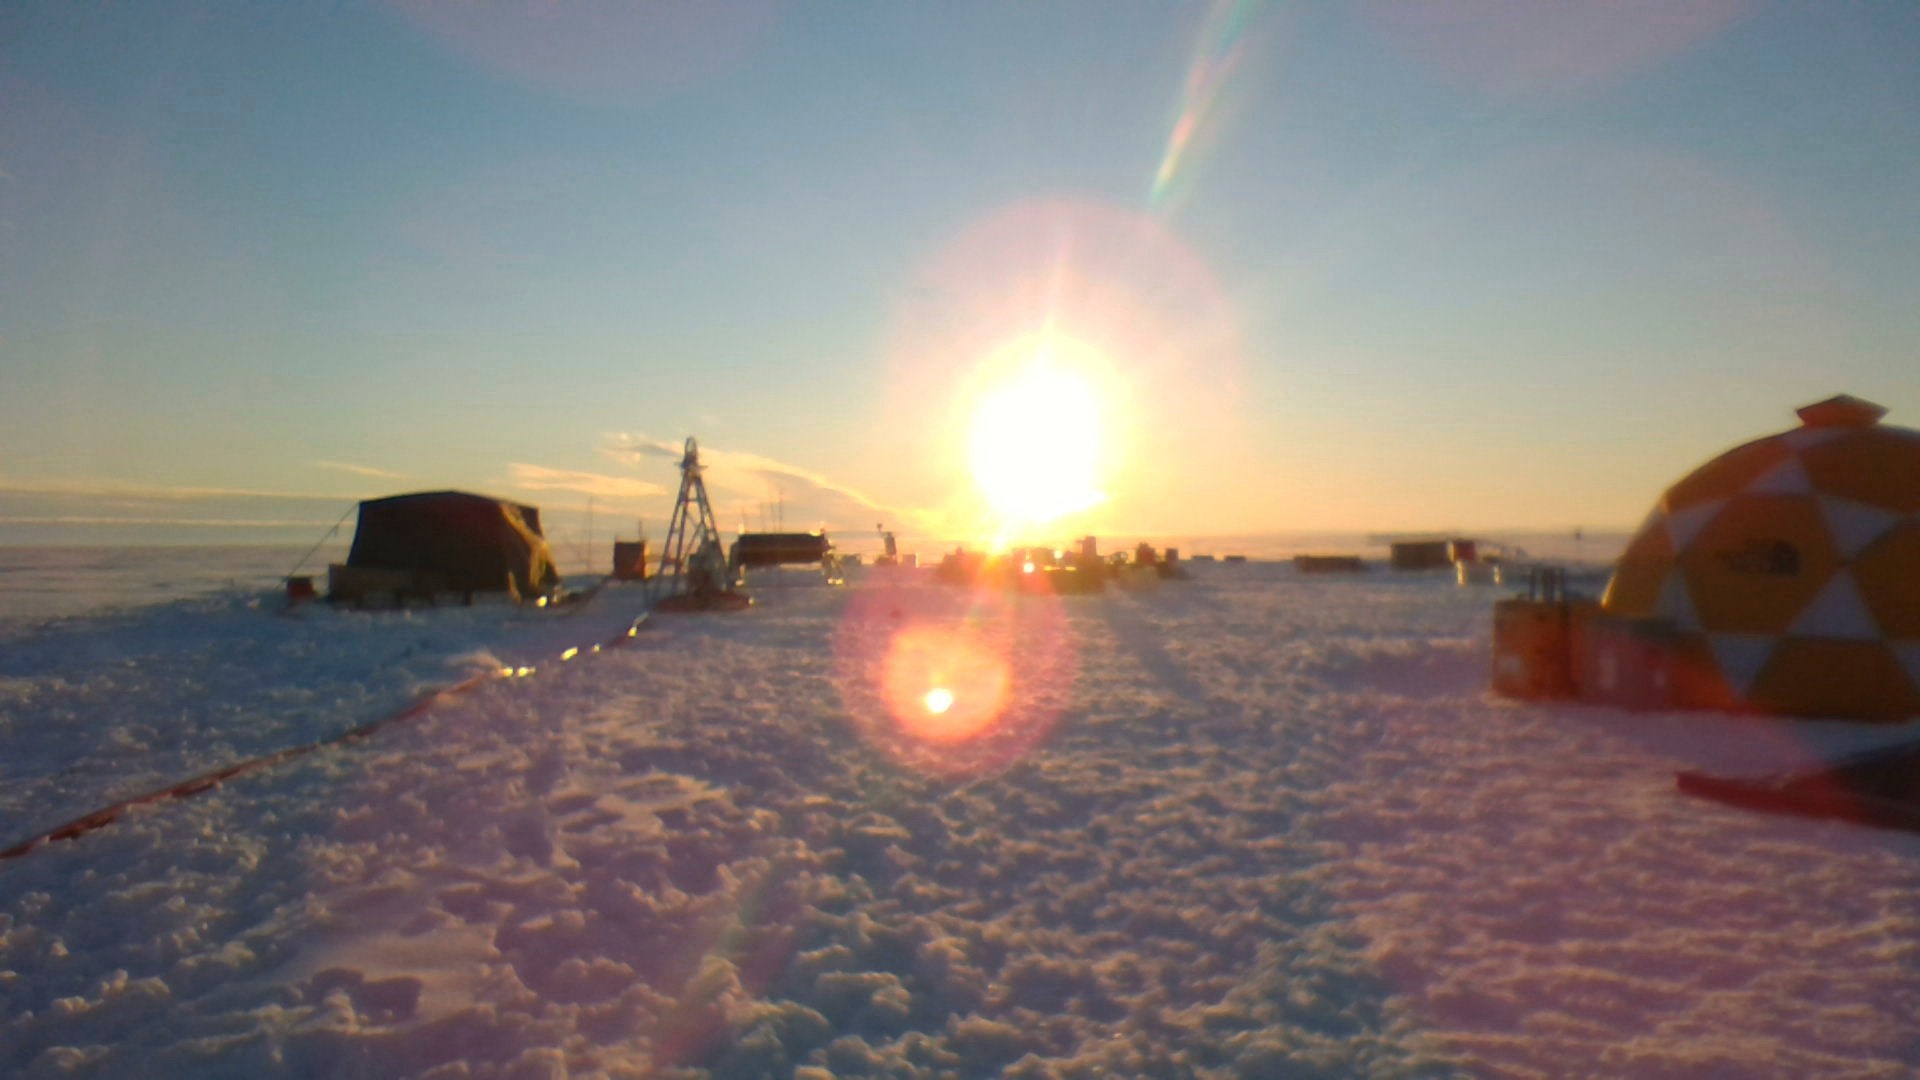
column 1253, row 824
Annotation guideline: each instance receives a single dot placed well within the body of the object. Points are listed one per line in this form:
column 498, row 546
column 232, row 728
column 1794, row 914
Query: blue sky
column 1469, row 264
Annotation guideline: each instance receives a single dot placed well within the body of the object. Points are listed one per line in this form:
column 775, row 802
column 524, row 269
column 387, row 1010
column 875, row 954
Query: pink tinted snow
column 1275, row 826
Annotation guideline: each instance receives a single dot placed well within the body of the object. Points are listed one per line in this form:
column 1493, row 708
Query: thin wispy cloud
column 358, row 470
column 598, row 485
column 643, row 446
column 176, row 522
column 769, row 469
column 115, row 489
column 747, row 476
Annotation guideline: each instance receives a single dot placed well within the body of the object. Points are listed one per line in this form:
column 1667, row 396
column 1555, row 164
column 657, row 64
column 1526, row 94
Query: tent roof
column 443, row 496
column 454, row 540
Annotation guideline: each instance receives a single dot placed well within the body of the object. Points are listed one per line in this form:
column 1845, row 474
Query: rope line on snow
column 206, row 781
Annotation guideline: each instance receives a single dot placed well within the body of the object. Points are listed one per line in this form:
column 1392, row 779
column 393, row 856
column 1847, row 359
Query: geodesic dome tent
column 1789, row 569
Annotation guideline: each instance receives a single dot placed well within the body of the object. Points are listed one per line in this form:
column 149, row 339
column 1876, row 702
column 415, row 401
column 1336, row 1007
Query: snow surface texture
column 1248, row 825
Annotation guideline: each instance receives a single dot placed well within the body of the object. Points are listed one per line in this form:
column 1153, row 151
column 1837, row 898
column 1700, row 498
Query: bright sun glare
column 1036, row 443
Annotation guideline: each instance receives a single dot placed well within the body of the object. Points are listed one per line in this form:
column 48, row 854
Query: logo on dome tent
column 1776, row 558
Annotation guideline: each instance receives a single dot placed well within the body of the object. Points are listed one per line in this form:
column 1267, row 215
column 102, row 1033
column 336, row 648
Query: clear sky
column 1371, row 266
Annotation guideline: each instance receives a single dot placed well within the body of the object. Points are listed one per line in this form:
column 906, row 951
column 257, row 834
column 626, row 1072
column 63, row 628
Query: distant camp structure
column 434, row 546
column 1781, row 577
column 1432, row 553
column 890, row 554
column 1473, row 562
column 779, row 549
column 630, row 558
column 770, row 550
column 1329, row 564
column 1080, row 570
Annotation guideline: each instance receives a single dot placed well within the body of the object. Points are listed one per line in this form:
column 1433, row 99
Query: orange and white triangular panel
column 1741, row 656
column 1675, row 603
column 1854, row 525
column 1908, row 653
column 1837, row 612
column 1684, row 525
column 1789, row 477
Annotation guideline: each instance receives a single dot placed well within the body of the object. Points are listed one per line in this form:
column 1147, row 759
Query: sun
column 1039, row 436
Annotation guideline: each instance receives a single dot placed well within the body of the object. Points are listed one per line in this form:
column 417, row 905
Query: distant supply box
column 1328, row 564
column 1421, row 554
column 630, row 560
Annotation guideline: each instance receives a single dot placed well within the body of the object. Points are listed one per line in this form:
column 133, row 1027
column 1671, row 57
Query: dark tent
column 436, row 542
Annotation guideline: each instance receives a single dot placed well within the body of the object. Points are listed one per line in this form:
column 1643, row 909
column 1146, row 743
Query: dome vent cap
column 1841, row 410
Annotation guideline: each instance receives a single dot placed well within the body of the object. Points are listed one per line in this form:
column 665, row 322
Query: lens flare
column 943, row 685
column 953, row 681
column 1222, row 43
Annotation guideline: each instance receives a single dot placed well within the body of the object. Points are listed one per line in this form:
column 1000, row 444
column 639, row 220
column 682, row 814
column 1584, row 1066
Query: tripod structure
column 693, row 568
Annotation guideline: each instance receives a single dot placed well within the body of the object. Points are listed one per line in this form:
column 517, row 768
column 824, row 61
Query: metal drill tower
column 693, row 567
